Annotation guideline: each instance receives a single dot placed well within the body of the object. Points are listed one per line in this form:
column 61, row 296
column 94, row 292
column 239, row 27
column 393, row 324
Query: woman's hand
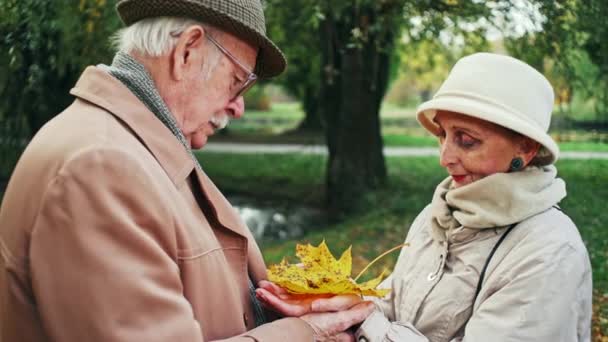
column 290, row 305
column 330, row 317
column 334, row 326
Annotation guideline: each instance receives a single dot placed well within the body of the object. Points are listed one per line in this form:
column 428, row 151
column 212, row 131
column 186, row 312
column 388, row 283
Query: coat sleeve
column 542, row 299
column 102, row 258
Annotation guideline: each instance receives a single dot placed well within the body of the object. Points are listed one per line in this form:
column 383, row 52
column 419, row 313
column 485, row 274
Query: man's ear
column 187, row 56
column 528, row 149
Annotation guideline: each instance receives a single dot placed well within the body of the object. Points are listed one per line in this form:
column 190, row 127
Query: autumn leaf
column 321, row 273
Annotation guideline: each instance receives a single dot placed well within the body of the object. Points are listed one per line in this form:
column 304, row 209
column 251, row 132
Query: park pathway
column 388, row 151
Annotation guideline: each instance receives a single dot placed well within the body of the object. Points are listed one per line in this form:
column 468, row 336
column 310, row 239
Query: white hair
column 155, row 37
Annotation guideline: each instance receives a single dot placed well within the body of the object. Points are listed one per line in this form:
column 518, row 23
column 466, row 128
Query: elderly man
column 110, row 230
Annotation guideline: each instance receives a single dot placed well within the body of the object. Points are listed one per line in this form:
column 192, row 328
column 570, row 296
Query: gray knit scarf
column 135, row 77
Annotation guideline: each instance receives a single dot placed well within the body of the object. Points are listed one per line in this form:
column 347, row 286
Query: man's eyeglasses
column 246, row 83
column 251, row 78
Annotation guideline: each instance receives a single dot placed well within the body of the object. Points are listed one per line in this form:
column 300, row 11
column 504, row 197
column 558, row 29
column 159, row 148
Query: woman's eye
column 466, row 141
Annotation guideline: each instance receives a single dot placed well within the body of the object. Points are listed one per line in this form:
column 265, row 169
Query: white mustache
column 220, row 120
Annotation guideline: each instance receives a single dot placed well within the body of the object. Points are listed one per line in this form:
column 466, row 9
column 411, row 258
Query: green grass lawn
column 399, row 128
column 280, row 110
column 398, row 140
column 299, row 179
column 410, row 138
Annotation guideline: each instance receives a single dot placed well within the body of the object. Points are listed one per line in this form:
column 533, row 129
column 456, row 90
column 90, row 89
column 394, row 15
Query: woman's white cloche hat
column 499, row 89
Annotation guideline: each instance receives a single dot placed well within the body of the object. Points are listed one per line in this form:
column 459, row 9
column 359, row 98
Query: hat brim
column 549, row 151
column 270, row 61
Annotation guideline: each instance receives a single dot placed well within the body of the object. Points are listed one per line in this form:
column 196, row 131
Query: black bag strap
column 485, row 267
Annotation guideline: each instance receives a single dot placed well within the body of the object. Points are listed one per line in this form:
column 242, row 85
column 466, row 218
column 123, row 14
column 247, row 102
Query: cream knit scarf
column 495, row 201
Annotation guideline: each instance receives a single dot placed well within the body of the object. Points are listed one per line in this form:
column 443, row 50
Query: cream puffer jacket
column 537, row 286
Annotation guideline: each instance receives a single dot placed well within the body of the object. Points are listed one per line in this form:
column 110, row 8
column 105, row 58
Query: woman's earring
column 516, row 164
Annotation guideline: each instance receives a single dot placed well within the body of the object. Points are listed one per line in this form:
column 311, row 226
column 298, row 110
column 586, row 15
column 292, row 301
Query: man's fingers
column 271, row 287
column 273, row 302
column 336, row 303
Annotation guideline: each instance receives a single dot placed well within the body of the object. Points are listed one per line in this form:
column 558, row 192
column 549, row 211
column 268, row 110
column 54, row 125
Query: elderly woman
column 492, row 257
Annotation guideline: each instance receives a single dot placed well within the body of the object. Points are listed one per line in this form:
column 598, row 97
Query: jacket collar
column 498, row 200
column 102, row 89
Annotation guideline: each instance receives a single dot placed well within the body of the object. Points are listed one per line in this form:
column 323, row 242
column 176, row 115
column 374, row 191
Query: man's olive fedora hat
column 243, row 18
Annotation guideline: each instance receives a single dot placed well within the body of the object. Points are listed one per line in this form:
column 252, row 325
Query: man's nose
column 447, row 154
column 236, row 107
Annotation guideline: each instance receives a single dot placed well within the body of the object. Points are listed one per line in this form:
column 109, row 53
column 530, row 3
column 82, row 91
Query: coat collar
column 102, row 89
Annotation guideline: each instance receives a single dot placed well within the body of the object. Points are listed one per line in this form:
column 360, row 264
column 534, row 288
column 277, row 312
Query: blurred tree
column 531, row 49
column 357, row 39
column 292, row 25
column 591, row 16
column 340, row 54
column 256, row 99
column 426, row 61
column 44, row 46
column 573, row 35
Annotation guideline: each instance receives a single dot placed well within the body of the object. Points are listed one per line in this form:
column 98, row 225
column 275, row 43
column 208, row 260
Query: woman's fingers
column 329, row 324
column 344, row 337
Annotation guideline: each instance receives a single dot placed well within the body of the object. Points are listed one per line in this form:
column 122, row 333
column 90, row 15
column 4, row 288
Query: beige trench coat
column 108, row 233
column 536, row 288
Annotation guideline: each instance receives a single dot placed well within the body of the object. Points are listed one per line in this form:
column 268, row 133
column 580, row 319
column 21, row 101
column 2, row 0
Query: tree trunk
column 312, row 118
column 351, row 105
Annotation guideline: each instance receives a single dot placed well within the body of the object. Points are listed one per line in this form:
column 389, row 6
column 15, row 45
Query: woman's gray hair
column 155, row 37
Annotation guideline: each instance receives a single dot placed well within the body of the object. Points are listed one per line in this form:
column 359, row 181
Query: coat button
column 246, row 319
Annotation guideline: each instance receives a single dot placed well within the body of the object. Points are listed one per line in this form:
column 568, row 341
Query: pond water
column 274, row 221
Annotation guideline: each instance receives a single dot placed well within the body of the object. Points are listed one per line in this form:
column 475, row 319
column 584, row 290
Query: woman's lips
column 458, row 178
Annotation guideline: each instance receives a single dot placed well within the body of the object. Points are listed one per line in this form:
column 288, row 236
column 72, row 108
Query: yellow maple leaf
column 321, row 273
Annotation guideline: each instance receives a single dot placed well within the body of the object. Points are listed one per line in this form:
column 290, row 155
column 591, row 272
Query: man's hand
column 289, row 305
column 332, row 326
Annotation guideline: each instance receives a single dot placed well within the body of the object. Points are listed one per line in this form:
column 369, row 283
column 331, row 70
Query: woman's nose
column 447, row 154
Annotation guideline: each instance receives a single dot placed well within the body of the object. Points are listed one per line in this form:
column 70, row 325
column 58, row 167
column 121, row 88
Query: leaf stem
column 379, row 257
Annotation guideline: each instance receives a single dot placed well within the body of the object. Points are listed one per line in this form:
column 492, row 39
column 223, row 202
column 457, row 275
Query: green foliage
column 256, row 99
column 293, row 25
column 426, row 62
column 591, row 16
column 240, row 172
column 570, row 50
column 44, row 46
column 403, row 92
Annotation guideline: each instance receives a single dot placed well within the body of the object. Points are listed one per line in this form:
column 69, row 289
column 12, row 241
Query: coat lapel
column 101, row 89
column 228, row 218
